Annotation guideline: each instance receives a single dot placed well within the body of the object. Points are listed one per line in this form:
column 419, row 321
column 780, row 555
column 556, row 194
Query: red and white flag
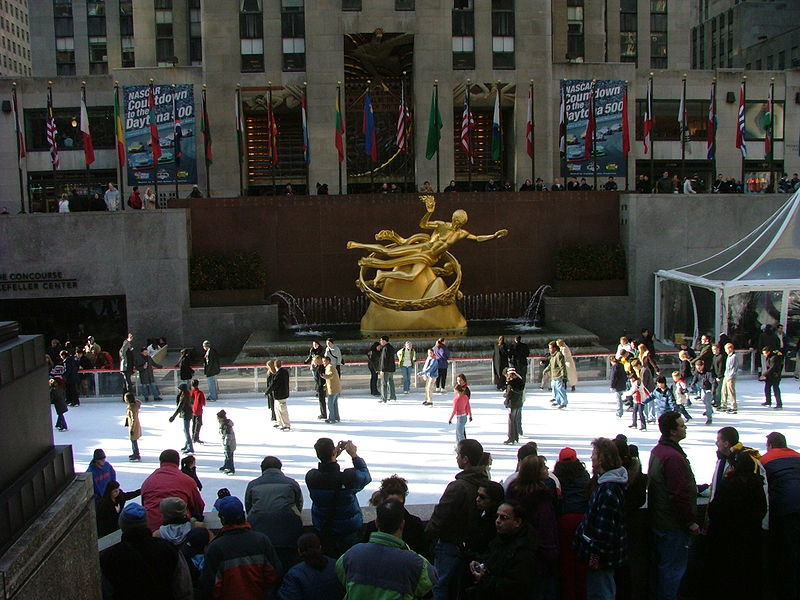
column 649, row 121
column 403, row 122
column 529, row 125
column 88, row 146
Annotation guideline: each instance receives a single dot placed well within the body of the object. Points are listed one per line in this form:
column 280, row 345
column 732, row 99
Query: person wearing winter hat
column 237, row 544
column 228, row 442
column 176, row 525
column 141, row 566
column 102, row 472
column 183, row 408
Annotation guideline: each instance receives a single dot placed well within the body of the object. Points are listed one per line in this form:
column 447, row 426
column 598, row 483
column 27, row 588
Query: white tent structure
column 753, row 282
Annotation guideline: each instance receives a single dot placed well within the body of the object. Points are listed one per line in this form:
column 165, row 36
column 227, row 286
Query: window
column 463, row 38
column 658, row 34
column 165, row 44
column 758, row 64
column 62, row 8
column 503, row 34
column 98, row 55
column 195, row 34
column 293, row 34
column 351, row 4
column 575, row 48
column 65, row 56
column 251, row 33
column 404, row 4
column 96, row 9
column 781, row 60
column 628, row 28
column 128, row 53
column 163, row 4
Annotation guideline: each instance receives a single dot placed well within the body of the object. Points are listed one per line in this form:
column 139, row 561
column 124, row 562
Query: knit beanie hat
column 172, row 509
column 133, row 515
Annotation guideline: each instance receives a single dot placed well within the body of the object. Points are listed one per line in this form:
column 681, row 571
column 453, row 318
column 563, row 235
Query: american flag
column 51, row 133
column 403, row 122
column 467, row 125
column 740, row 142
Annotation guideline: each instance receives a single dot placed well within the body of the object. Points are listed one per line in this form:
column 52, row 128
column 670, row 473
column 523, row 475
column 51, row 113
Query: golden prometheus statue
column 408, row 292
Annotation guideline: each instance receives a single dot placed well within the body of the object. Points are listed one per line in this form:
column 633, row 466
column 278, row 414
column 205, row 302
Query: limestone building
column 15, row 41
column 271, row 57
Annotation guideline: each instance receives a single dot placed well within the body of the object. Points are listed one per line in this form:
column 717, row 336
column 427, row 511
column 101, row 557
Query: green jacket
column 384, row 569
column 557, row 366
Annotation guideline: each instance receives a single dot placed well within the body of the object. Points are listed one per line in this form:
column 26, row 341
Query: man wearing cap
column 143, row 566
column 211, row 369
column 168, row 481
column 241, row 564
column 385, row 567
column 102, row 472
column 514, row 400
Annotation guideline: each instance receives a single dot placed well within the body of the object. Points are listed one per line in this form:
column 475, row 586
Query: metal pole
column 436, row 91
column 120, row 164
column 469, row 135
column 533, row 145
column 407, row 132
column 55, row 176
column 155, row 160
column 625, row 128
column 683, row 132
column 594, row 133
column 272, row 143
column 371, row 164
column 175, row 137
column 305, row 135
column 714, row 139
column 240, row 128
column 341, row 117
column 19, row 158
column 771, row 184
column 206, row 143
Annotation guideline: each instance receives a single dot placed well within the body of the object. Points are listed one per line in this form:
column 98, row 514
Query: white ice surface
column 405, row 437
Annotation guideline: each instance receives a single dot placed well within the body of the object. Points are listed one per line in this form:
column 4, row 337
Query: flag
column 403, row 122
column 155, row 144
column 434, row 126
column 304, row 119
column 562, row 125
column 239, row 126
column 626, row 134
column 207, row 133
column 682, row 110
column 177, row 140
column 647, row 125
column 368, row 129
column 119, row 134
column 88, row 147
column 20, row 138
column 529, row 125
column 467, row 124
column 339, row 131
column 711, row 126
column 769, row 126
column 740, row 142
column 273, row 136
column 51, row 134
column 497, row 140
column 588, row 136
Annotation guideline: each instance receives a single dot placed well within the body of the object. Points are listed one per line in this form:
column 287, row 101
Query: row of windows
column 502, row 36
column 16, row 48
column 769, row 64
column 17, row 67
column 251, row 34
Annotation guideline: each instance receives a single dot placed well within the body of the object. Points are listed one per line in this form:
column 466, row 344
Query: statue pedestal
column 379, row 320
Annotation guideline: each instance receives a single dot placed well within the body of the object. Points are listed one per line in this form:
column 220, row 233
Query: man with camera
column 335, row 511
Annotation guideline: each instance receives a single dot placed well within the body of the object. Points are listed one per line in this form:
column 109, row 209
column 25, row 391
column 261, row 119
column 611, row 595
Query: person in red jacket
column 198, row 402
column 165, row 482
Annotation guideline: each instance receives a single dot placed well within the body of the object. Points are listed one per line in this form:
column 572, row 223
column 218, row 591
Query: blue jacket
column 100, row 477
column 664, row 400
column 303, row 582
column 334, row 506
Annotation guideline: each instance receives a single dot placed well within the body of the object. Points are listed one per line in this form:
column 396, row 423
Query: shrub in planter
column 237, row 271
column 590, row 262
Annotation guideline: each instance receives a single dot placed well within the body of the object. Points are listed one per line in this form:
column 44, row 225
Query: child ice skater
column 461, row 410
column 228, row 442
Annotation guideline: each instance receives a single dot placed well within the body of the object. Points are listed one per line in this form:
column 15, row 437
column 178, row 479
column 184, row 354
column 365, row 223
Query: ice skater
column 228, row 442
column 461, row 411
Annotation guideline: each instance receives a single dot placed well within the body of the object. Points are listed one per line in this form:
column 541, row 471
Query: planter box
column 246, row 297
column 587, row 287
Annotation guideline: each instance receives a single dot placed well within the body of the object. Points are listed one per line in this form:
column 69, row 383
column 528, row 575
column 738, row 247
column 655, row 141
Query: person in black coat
column 374, row 364
column 514, row 399
column 387, row 367
column 518, row 358
column 109, row 507
column 186, row 372
column 59, row 402
column 500, row 362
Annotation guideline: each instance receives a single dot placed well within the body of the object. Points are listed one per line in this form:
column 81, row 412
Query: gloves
column 171, row 419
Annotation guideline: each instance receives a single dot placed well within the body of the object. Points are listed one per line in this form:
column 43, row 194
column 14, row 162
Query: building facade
column 270, row 59
column 15, row 39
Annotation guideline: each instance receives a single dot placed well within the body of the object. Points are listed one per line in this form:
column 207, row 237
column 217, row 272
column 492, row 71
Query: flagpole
column 175, row 138
column 683, row 130
column 19, row 158
column 403, row 104
column 533, row 153
column 205, row 143
column 714, row 138
column 562, row 134
column 306, row 141
column 120, row 165
column 624, row 133
column 594, row 130
column 436, row 91
column 272, row 143
column 339, row 104
column 469, row 135
column 371, row 164
column 55, row 177
column 652, row 144
column 240, row 134
column 744, row 99
column 155, row 160
column 771, row 185
column 88, row 175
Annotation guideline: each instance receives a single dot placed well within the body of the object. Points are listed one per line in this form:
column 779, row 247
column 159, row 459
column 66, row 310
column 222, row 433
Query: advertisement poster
column 608, row 139
column 176, row 135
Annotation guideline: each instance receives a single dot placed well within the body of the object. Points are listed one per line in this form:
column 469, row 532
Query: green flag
column 434, row 126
